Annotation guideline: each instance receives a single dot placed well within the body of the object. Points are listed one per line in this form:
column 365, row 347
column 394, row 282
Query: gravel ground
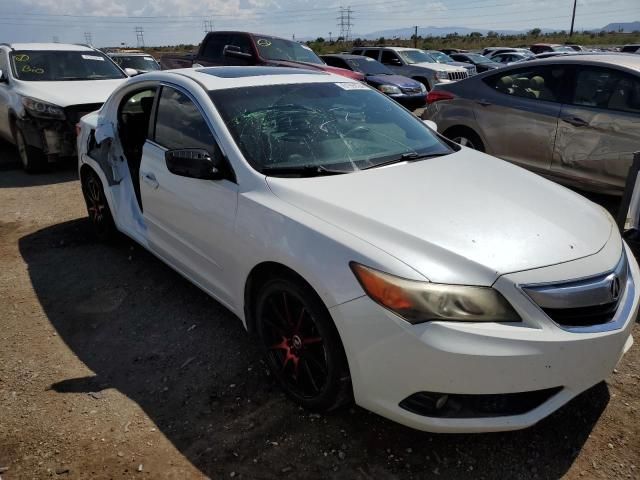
column 114, row 366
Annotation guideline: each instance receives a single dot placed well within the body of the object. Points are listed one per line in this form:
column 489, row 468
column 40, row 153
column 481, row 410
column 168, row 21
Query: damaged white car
column 45, row 88
column 372, row 258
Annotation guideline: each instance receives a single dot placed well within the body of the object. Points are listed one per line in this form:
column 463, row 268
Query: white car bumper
column 391, row 360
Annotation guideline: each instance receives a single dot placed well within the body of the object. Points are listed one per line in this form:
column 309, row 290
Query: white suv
column 44, row 90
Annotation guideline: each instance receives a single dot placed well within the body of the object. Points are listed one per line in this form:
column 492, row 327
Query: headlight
column 442, row 75
column 41, row 109
column 419, row 302
column 389, row 89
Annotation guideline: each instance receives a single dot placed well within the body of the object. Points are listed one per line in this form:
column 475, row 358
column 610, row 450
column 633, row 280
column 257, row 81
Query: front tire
column 97, row 207
column 32, row 158
column 301, row 345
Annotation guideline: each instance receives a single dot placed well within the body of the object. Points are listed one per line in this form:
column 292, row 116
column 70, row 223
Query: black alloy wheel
column 97, row 207
column 302, row 346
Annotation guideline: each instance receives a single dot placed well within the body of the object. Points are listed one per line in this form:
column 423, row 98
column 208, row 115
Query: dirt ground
column 114, row 366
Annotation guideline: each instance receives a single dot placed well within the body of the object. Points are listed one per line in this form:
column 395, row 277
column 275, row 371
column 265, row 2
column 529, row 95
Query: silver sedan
column 575, row 119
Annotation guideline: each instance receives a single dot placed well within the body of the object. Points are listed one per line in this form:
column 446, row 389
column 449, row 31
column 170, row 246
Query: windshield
column 440, row 57
column 368, row 66
column 273, row 48
column 476, row 58
column 415, row 56
column 49, row 65
column 563, row 49
column 286, row 130
column 139, row 62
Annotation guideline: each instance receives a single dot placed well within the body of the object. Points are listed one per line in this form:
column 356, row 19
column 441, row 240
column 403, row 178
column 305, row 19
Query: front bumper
column 390, row 360
column 56, row 138
column 411, row 101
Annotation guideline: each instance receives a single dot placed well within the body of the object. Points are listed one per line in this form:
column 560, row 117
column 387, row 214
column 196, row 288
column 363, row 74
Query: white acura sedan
column 373, row 259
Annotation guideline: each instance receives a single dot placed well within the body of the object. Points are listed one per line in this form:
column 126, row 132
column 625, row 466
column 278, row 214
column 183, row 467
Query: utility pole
column 88, row 38
column 573, row 17
column 56, row 39
column 415, row 37
column 207, row 26
column 140, row 36
column 345, row 23
column 330, row 37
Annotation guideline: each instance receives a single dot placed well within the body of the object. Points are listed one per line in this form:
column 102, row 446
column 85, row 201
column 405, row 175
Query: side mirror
column 194, row 163
column 131, row 72
column 431, row 124
column 235, row 52
column 3, row 77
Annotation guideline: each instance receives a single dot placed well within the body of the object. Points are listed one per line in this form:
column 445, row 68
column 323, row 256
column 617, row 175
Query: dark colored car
column 404, row 90
column 481, row 62
column 449, row 51
column 140, row 62
column 550, row 47
column 245, row 49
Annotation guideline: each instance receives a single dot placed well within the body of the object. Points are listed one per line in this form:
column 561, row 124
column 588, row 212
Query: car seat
column 505, row 85
column 539, row 89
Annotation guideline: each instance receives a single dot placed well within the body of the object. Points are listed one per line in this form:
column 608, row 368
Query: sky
column 171, row 22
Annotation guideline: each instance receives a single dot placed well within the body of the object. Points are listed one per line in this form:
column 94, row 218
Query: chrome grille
column 411, row 90
column 582, row 303
column 458, row 75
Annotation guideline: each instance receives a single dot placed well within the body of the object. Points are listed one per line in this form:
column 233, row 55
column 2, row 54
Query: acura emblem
column 614, row 287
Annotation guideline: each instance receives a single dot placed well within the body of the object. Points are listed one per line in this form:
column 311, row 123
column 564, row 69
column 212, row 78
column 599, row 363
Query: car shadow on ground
column 190, row 365
column 12, row 175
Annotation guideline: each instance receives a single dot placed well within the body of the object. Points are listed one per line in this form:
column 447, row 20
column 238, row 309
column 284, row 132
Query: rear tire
column 98, row 209
column 301, row 345
column 32, row 158
column 465, row 137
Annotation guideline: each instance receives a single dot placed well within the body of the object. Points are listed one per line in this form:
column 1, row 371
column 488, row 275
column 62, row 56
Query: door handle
column 150, row 179
column 575, row 121
column 484, row 103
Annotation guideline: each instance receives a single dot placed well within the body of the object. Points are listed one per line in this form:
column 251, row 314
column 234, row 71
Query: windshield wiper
column 302, row 171
column 408, row 156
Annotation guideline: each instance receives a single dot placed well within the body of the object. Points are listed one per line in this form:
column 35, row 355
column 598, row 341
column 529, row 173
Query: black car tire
column 301, row 345
column 32, row 158
column 102, row 223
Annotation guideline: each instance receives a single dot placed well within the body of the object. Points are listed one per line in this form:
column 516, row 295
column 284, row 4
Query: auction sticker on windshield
column 93, row 57
column 352, row 86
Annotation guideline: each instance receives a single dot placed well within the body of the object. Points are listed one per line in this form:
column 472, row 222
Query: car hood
column 465, row 218
column 68, row 93
column 443, row 67
column 397, row 80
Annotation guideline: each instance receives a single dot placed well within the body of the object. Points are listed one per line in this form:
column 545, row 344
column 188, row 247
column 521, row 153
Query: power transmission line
column 345, row 23
column 207, row 26
column 140, row 37
column 88, row 38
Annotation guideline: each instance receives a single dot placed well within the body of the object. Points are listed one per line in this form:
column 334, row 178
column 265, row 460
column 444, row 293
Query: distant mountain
column 626, row 27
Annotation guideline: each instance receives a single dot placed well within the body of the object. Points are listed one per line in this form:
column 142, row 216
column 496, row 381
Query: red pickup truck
column 244, row 48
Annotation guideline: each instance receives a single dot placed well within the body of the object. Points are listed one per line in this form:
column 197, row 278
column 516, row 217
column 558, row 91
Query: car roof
column 51, row 46
column 630, row 61
column 219, row 78
column 348, row 56
column 399, row 49
column 124, row 54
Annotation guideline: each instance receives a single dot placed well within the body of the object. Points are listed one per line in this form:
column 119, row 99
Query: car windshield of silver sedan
column 416, row 56
column 54, row 66
column 273, row 48
column 315, row 129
